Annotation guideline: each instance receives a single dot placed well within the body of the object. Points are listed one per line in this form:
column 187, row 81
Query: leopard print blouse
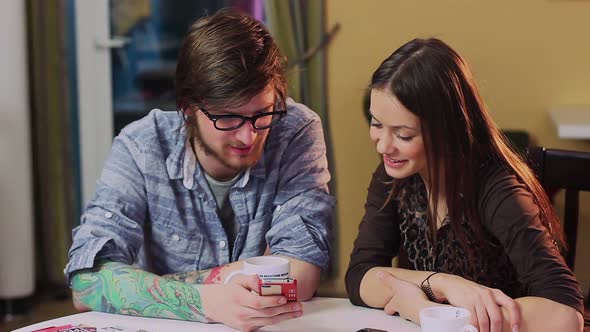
column 493, row 267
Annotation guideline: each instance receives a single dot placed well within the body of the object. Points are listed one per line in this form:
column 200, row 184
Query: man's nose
column 246, row 133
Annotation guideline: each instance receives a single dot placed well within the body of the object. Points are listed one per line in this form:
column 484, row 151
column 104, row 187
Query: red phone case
column 286, row 287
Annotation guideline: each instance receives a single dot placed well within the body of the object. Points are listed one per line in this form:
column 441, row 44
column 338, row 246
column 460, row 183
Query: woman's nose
column 385, row 145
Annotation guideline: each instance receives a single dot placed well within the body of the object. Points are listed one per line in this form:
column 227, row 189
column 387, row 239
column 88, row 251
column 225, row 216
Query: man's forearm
column 124, row 289
column 307, row 275
column 205, row 277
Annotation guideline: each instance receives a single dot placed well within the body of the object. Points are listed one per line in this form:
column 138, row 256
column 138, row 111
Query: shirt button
column 222, row 244
column 108, row 215
column 175, row 237
column 278, row 209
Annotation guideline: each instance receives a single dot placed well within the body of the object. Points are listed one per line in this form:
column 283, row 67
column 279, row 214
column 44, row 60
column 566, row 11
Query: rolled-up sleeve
column 111, row 226
column 302, row 218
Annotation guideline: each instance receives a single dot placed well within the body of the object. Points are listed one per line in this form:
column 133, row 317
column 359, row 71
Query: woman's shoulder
column 494, row 176
column 502, row 194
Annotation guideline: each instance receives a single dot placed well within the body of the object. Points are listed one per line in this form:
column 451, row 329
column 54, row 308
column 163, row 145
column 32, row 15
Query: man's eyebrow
column 394, row 127
column 225, row 112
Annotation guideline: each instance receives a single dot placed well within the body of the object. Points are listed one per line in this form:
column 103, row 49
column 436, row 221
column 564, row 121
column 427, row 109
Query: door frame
column 94, row 91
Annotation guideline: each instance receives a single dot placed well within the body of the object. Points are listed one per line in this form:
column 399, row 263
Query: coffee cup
column 446, row 319
column 266, row 267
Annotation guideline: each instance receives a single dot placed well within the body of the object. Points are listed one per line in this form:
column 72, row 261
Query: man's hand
column 407, row 299
column 235, row 305
column 484, row 303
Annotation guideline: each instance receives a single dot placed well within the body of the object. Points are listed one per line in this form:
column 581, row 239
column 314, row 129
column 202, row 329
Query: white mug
column 264, row 266
column 446, row 319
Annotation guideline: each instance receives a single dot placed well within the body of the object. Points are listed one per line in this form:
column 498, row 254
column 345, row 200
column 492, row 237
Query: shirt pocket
column 177, row 249
column 255, row 242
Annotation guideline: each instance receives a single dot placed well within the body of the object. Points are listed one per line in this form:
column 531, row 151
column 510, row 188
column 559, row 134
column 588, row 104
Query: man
column 183, row 199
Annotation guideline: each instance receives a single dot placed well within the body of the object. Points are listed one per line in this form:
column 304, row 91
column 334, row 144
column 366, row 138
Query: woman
column 478, row 229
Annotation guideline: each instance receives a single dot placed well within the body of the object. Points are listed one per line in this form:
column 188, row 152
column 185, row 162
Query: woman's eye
column 405, row 138
column 375, row 123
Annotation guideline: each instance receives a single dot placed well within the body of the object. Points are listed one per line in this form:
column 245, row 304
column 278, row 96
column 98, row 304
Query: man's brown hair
column 225, row 60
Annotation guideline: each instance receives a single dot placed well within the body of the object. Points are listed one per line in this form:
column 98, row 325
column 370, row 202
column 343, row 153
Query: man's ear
column 188, row 110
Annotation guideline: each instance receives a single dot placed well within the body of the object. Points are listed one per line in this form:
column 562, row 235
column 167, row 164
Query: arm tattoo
column 124, row 289
column 190, row 277
column 205, row 277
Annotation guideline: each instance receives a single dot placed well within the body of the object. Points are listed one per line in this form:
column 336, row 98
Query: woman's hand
column 407, row 299
column 485, row 303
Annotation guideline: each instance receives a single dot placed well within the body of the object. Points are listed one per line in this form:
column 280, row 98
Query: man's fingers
column 256, row 318
column 250, row 282
column 265, row 321
column 246, row 297
column 278, row 310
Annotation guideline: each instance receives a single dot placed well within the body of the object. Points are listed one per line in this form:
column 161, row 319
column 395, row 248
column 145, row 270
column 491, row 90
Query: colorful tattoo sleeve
column 205, row 277
column 124, row 289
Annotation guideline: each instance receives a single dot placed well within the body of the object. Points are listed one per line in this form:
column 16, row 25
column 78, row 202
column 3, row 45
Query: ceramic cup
column 446, row 319
column 264, row 266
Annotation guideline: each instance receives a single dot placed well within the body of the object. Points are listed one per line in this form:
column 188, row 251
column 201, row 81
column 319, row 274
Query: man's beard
column 209, row 151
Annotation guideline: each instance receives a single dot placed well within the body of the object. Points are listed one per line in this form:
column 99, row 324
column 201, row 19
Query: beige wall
column 526, row 56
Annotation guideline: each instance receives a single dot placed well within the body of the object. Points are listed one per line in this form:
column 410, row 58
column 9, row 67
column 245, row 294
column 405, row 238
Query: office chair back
column 569, row 170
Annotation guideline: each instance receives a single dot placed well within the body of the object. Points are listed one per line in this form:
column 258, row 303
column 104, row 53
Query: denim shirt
column 153, row 207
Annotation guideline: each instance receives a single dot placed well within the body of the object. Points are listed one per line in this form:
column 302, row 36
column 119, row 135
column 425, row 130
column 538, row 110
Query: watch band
column 425, row 286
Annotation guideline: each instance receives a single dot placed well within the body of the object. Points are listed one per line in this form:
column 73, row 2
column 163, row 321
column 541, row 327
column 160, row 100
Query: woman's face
column 396, row 133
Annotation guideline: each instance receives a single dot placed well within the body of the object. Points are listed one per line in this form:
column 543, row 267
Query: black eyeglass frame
column 252, row 119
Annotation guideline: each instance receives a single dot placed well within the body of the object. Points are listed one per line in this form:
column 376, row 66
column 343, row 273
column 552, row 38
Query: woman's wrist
column 437, row 283
column 417, row 306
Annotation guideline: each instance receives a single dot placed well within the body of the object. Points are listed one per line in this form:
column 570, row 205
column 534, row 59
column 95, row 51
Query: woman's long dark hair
column 432, row 81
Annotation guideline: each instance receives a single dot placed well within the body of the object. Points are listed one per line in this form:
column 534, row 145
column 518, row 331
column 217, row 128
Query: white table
column 319, row 315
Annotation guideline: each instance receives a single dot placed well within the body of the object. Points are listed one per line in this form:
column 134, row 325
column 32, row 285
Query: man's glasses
column 226, row 122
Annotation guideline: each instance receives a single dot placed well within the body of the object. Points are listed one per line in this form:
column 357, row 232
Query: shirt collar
column 182, row 164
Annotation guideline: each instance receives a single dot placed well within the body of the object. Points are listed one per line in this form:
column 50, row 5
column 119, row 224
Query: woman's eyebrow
column 393, row 127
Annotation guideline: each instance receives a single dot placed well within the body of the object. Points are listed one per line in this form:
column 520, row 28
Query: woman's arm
column 378, row 239
column 375, row 295
column 540, row 314
column 537, row 314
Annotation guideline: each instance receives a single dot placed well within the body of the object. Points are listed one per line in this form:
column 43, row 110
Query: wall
column 16, row 199
column 526, row 56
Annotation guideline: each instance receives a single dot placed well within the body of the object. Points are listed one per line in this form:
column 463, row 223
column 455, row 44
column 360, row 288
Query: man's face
column 223, row 154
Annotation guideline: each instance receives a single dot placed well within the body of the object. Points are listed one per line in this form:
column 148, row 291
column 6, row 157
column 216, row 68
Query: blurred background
column 74, row 72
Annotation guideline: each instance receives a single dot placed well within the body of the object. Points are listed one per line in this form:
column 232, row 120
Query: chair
column 569, row 170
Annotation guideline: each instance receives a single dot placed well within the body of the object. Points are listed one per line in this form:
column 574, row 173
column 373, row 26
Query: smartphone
column 286, row 287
